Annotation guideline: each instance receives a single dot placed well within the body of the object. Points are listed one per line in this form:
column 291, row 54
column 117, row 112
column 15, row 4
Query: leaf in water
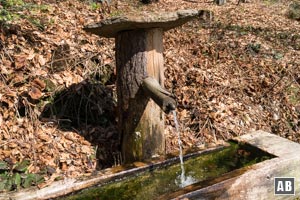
column 3, row 165
column 230, row 163
column 139, row 164
column 22, row 166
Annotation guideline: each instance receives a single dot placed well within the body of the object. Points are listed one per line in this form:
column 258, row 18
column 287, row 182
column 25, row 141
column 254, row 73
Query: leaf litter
column 236, row 73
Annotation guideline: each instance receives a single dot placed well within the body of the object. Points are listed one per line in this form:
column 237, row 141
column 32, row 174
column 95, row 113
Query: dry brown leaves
column 35, row 65
column 232, row 75
column 236, row 75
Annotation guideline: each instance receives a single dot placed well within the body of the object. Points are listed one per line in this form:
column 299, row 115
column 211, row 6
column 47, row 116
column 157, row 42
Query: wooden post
column 141, row 121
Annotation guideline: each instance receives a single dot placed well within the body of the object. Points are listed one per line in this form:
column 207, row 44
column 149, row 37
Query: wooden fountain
column 142, row 99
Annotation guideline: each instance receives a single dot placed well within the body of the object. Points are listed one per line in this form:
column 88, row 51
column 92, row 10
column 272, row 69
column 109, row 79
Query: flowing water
column 183, row 180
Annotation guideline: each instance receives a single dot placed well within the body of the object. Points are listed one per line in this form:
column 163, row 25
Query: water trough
column 279, row 156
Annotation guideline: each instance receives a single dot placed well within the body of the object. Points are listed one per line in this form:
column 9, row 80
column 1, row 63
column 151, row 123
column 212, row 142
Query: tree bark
column 141, row 121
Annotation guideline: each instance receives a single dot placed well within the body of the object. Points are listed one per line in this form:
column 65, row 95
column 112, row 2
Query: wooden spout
column 164, row 99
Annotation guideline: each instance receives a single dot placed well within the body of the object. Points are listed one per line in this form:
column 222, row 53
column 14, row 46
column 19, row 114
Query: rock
column 165, row 20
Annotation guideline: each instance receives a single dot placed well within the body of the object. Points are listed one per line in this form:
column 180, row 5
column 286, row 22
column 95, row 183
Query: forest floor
column 235, row 73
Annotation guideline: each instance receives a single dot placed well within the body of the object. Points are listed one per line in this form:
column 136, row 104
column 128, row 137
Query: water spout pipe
column 164, row 99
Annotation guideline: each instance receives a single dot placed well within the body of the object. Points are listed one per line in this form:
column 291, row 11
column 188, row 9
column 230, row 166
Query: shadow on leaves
column 89, row 109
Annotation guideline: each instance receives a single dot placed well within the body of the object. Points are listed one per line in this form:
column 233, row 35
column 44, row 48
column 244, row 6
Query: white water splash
column 183, row 180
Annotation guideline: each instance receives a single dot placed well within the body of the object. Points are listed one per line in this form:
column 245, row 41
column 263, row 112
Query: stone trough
column 251, row 182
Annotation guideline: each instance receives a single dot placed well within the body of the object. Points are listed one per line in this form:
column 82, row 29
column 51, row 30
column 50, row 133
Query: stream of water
column 184, row 181
column 182, row 176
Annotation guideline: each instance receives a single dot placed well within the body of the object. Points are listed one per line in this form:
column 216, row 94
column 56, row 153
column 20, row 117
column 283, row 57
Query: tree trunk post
column 141, row 121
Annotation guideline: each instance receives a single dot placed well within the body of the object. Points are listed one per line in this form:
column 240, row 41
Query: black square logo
column 284, row 186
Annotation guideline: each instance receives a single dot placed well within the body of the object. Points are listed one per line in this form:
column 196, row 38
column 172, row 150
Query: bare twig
column 6, row 52
column 272, row 87
column 9, row 141
column 202, row 128
column 276, row 83
column 294, row 79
